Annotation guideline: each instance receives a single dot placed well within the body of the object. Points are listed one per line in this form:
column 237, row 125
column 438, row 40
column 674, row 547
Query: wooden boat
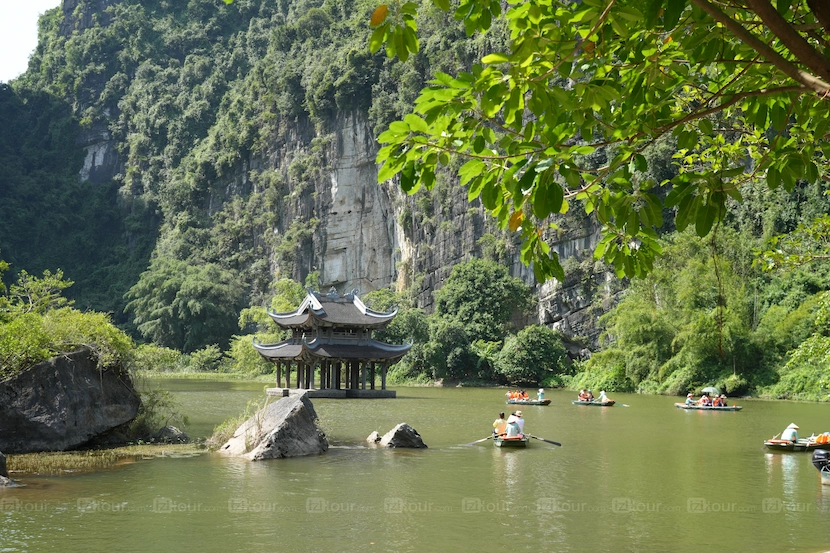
column 803, row 444
column 595, row 403
column 708, row 407
column 528, row 402
column 498, row 441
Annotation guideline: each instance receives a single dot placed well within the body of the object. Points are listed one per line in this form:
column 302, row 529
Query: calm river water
column 644, row 478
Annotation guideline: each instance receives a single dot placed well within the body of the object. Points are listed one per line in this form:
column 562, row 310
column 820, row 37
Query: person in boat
column 513, row 430
column 540, row 395
column 499, row 425
column 705, row 401
column 583, row 395
column 525, row 397
column 690, row 399
column 790, row 433
column 602, row 397
column 717, row 402
column 589, row 396
column 723, row 401
column 520, row 422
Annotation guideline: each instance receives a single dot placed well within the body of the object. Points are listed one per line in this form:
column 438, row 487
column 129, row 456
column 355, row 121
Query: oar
column 542, row 439
column 490, row 437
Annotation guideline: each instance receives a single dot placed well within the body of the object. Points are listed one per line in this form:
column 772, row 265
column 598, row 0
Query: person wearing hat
column 690, row 399
column 602, row 397
column 540, row 395
column 513, row 430
column 790, row 433
column 520, row 422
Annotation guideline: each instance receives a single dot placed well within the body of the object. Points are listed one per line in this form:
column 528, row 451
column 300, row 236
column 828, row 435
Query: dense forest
column 169, row 158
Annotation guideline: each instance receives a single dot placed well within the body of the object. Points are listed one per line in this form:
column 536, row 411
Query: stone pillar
column 299, row 375
column 383, row 376
column 372, row 377
column 337, row 375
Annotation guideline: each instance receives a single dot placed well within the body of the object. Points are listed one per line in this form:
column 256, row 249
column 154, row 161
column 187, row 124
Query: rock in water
column 63, row 403
column 3, row 471
column 402, row 435
column 171, row 435
column 373, row 438
column 285, row 428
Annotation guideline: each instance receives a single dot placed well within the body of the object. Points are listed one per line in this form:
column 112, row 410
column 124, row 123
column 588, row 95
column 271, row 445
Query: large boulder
column 64, row 403
column 285, row 428
column 402, row 435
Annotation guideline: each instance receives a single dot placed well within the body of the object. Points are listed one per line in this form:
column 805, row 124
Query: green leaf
column 653, row 8
column 494, row 58
column 471, row 169
column 378, row 38
column 672, row 12
column 443, row 5
column 704, row 219
column 415, row 123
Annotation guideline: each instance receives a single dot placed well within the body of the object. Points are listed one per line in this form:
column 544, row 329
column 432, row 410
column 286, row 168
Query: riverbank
column 158, row 375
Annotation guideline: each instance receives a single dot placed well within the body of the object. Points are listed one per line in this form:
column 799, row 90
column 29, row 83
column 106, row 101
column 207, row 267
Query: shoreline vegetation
column 64, row 463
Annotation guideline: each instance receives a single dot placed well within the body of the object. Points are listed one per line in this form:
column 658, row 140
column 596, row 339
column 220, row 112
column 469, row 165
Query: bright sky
column 18, row 33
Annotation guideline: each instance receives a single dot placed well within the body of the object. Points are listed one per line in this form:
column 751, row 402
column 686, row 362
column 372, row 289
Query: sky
column 18, row 33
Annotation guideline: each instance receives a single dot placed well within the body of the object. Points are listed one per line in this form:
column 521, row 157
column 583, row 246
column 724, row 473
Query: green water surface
column 645, row 478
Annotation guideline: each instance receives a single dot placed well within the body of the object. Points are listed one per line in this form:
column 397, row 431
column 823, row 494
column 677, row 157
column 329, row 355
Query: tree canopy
column 569, row 111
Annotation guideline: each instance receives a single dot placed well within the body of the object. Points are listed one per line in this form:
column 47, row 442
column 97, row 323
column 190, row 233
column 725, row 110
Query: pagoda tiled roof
column 332, row 310
column 370, row 351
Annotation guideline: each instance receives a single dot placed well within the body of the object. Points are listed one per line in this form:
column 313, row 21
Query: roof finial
column 333, row 293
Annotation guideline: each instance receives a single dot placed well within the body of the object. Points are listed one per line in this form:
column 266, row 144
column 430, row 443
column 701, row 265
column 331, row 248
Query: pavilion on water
column 331, row 345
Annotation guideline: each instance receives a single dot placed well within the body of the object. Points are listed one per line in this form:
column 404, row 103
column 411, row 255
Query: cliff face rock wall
column 357, row 238
column 373, row 235
column 63, row 403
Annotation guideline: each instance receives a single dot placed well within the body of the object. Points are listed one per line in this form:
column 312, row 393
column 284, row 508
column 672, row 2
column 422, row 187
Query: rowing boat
column 708, row 407
column 511, row 442
column 803, row 444
column 609, row 403
column 528, row 402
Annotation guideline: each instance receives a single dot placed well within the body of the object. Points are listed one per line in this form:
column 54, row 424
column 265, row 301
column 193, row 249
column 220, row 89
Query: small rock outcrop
column 402, row 435
column 64, row 403
column 285, row 428
column 5, row 481
column 374, row 437
column 171, row 435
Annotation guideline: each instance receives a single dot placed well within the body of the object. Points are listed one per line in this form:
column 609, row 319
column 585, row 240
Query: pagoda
column 331, row 345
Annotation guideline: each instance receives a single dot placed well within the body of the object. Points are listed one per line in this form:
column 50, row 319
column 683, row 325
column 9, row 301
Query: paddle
column 542, row 439
column 490, row 437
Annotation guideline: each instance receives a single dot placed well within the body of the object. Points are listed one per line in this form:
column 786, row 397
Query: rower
column 690, row 399
column 790, row 433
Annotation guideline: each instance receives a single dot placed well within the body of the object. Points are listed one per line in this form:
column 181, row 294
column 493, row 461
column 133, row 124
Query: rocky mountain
column 244, row 136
